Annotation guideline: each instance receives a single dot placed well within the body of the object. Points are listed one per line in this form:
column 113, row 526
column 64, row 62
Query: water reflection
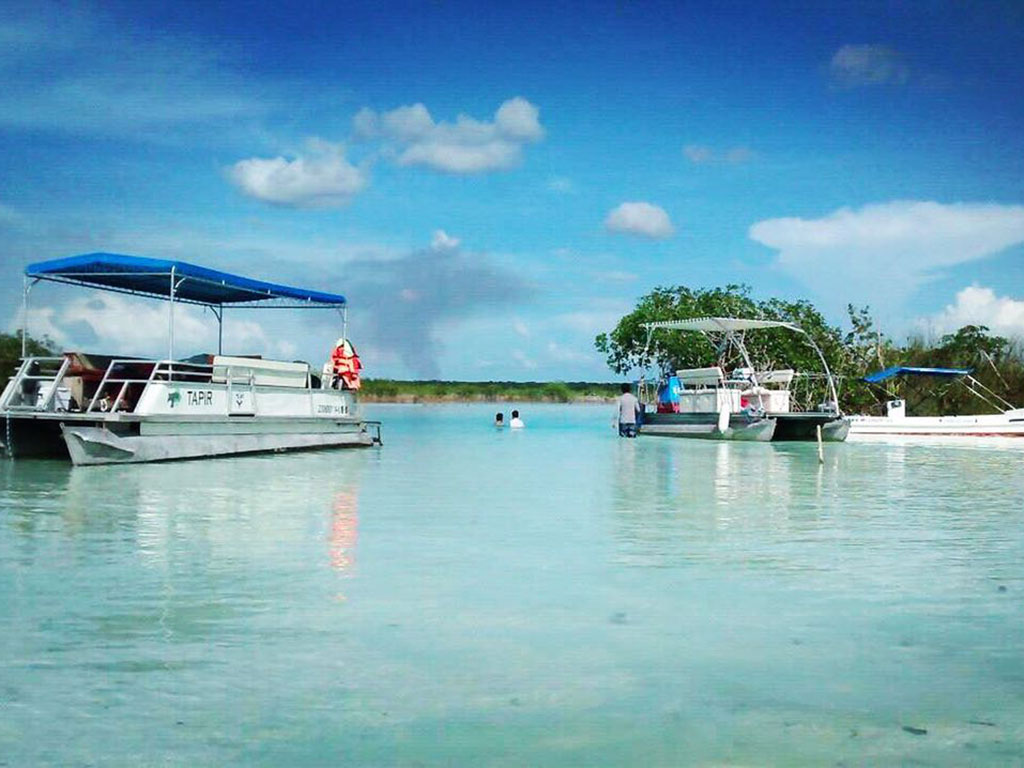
column 678, row 501
column 182, row 551
column 344, row 530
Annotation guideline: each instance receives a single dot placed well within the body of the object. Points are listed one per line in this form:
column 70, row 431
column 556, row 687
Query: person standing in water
column 629, row 407
column 516, row 422
column 499, row 419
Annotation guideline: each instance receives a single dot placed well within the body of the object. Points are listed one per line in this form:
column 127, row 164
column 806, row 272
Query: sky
column 492, row 185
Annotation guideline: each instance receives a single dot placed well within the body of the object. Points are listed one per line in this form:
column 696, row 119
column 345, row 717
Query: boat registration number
column 332, row 410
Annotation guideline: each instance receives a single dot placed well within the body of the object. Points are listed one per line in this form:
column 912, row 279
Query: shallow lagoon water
column 555, row 596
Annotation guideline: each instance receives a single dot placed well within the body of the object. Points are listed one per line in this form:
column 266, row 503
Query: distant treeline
column 394, row 390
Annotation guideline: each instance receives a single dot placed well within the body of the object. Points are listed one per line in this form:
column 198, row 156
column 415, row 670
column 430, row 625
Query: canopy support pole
column 24, row 314
column 170, row 319
column 344, row 322
column 219, row 312
column 824, row 364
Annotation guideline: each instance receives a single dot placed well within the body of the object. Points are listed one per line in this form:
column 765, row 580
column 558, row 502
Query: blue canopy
column 152, row 277
column 900, row 370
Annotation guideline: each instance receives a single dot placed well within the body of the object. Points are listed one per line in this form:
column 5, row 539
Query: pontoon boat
column 100, row 409
column 741, row 404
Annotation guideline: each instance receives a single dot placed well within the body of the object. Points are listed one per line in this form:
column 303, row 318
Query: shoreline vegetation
column 438, row 391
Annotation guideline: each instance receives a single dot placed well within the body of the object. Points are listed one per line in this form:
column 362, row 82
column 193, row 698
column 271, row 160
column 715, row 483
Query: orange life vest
column 345, row 363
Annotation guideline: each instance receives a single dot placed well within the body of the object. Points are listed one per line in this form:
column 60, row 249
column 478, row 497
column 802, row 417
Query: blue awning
column 152, row 277
column 900, row 370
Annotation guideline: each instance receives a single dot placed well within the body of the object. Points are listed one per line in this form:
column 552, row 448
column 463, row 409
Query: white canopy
column 720, row 324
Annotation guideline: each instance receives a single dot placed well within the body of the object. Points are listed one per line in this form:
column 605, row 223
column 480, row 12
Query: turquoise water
column 556, row 596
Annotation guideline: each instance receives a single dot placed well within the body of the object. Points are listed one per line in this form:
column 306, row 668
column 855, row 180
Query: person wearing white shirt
column 516, row 422
column 629, row 407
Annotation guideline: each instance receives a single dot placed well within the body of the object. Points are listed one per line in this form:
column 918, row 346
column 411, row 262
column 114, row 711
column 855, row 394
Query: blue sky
column 493, row 185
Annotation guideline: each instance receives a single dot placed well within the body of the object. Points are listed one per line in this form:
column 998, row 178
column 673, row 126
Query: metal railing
column 162, row 370
column 111, row 394
column 30, row 380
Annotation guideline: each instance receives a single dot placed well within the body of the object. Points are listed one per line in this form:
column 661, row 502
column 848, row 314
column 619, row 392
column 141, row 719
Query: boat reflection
column 255, row 510
column 679, row 501
column 344, row 531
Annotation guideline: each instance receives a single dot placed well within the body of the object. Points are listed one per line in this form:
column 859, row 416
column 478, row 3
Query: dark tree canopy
column 625, row 346
column 10, row 352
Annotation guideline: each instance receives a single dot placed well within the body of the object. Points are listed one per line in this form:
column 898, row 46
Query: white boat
column 1007, row 421
column 743, row 404
column 103, row 410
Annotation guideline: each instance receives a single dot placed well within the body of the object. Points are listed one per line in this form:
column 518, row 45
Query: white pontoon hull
column 190, row 440
column 706, row 426
column 1009, row 424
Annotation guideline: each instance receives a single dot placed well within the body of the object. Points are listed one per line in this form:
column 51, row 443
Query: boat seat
column 783, row 376
column 264, row 372
column 701, row 377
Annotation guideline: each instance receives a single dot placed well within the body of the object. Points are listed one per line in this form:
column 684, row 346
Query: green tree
column 629, row 347
column 866, row 351
column 10, row 352
column 626, row 347
column 994, row 363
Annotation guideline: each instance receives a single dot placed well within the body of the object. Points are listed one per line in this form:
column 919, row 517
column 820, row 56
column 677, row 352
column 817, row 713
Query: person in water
column 499, row 419
column 629, row 407
column 516, row 422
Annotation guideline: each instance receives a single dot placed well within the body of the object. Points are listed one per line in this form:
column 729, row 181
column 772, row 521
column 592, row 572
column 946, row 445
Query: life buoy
column 345, row 364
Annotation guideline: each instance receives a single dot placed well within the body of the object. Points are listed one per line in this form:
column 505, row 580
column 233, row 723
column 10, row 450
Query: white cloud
column 463, row 147
column 861, row 65
column 976, row 305
column 139, row 327
column 407, row 123
column 521, row 328
column 518, row 119
column 364, row 124
column 882, row 253
column 322, row 178
column 641, row 219
column 442, row 241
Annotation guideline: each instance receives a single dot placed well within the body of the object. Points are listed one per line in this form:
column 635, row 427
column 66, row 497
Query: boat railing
column 159, row 370
column 34, row 386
